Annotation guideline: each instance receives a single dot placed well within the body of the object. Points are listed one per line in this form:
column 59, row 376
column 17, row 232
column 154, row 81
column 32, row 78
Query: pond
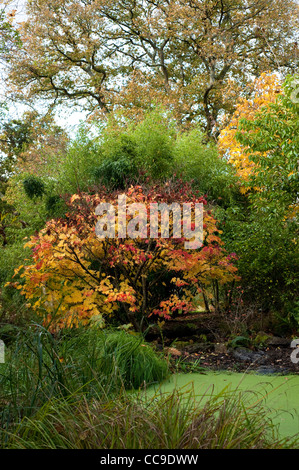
column 279, row 394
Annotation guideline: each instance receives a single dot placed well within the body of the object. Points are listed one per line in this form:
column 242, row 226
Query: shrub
column 200, row 163
column 155, row 139
column 33, row 187
column 76, row 276
column 76, row 167
column 134, row 361
column 116, row 174
column 55, row 206
column 30, row 208
column 145, row 149
column 268, row 261
column 86, row 362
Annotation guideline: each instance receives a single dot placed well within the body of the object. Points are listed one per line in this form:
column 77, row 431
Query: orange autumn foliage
column 266, row 88
column 75, row 278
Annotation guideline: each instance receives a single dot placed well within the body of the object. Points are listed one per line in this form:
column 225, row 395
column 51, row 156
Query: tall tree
column 194, row 56
column 28, row 143
column 9, row 36
column 271, row 142
column 266, row 157
column 265, row 90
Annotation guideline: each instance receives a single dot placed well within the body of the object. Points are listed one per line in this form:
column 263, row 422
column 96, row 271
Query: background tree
column 9, row 37
column 265, row 234
column 28, row 143
column 271, row 142
column 28, row 146
column 265, row 90
column 194, row 57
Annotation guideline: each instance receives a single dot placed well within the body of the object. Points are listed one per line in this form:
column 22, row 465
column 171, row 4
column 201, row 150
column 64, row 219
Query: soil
column 272, row 360
column 182, row 343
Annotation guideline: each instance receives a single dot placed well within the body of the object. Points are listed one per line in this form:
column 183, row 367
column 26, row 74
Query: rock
column 220, row 348
column 246, row 355
column 263, row 334
column 277, row 341
column 267, row 370
column 261, row 339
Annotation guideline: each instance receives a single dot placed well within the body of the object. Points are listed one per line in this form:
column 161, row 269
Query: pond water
column 280, row 394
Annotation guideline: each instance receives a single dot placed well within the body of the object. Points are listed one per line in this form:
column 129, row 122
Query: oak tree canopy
column 193, row 56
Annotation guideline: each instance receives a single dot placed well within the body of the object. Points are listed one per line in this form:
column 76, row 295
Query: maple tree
column 77, row 278
column 194, row 57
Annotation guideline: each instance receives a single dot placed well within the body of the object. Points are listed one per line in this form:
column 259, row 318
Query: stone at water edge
column 243, row 354
column 277, row 341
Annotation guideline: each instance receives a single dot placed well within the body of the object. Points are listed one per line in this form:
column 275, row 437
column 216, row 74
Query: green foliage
column 15, row 135
column 155, row 139
column 13, row 306
column 33, row 187
column 268, row 260
column 154, row 148
column 123, row 152
column 77, row 165
column 135, row 361
column 272, row 139
column 117, row 142
column 55, row 206
column 199, row 161
column 239, row 341
column 40, row 367
column 260, row 340
column 10, row 257
column 116, row 154
column 263, row 231
column 131, row 150
column 31, row 212
column 33, row 200
column 116, row 173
